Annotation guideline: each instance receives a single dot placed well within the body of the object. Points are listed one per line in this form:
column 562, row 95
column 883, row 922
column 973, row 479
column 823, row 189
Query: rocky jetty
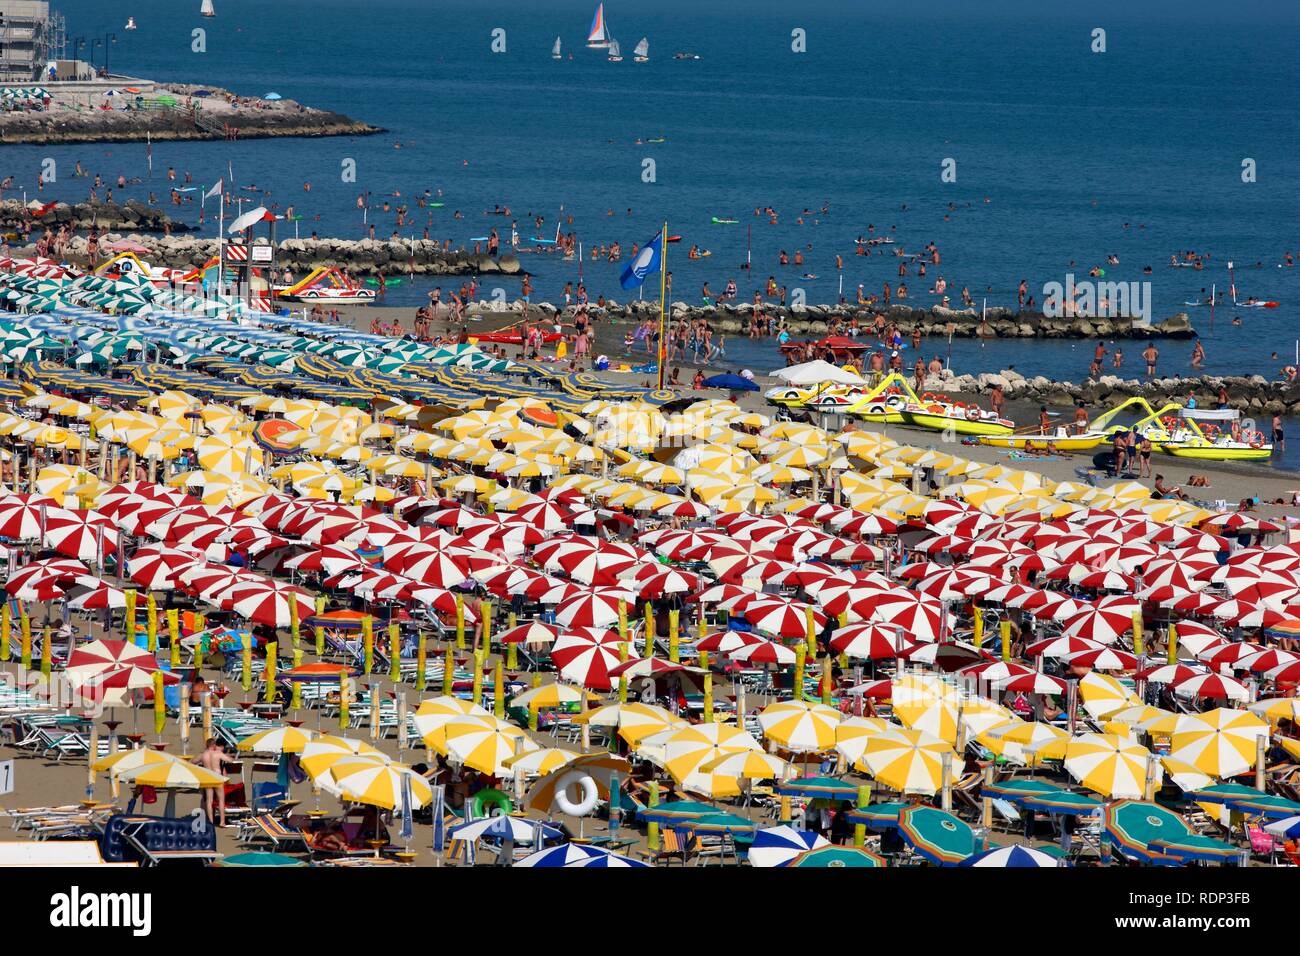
column 218, row 114
column 815, row 321
column 130, row 216
column 362, row 257
column 1253, row 395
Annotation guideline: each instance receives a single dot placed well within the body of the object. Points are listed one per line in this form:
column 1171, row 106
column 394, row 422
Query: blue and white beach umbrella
column 505, row 828
column 1012, row 856
column 777, row 846
column 565, row 854
column 611, row 860
column 1287, row 829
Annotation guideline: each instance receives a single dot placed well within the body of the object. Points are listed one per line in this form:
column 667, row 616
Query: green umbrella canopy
column 676, row 810
column 1019, row 788
column 718, row 823
column 834, row 857
column 1193, row 846
column 260, row 859
column 936, row 834
column 879, row 816
column 1247, row 799
column 819, row 787
column 1063, row 802
column 1134, row 825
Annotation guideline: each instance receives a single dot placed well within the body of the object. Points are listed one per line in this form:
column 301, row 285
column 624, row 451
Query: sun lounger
column 270, row 828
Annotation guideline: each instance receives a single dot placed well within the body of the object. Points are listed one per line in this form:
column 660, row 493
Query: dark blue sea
column 1063, row 156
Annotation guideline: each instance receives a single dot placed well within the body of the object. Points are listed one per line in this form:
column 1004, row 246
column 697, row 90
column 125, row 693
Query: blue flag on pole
column 648, row 260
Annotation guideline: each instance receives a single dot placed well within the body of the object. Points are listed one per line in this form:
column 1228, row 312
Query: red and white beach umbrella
column 1035, row 683
column 593, row 608
column 764, row 652
column 1213, row 687
column 265, row 604
column 1061, row 647
column 20, row 516
column 1103, row 659
column 782, row 618
column 109, row 665
column 654, row 581
column 532, row 632
column 329, row 559
column 158, row 568
column 870, row 641
column 1169, row 673
column 920, row 617
column 584, row 656
column 724, row 642
column 1098, row 624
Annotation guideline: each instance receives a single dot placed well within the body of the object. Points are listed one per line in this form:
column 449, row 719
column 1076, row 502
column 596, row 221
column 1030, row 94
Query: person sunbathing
column 1164, row 490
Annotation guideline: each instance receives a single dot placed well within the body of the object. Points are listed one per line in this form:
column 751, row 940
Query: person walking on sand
column 1151, row 355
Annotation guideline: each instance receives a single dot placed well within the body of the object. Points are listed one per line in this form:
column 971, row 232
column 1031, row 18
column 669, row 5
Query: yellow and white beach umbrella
column 1103, row 695
column 325, row 745
column 363, row 779
column 852, row 733
column 1187, row 777
column 128, row 760
column 554, row 694
column 57, row 480
column 277, row 740
column 228, row 454
column 1220, row 742
column 688, row 749
column 926, row 704
column 746, row 765
column 800, row 725
column 1019, row 740
column 1111, row 765
column 909, row 761
column 486, row 748
column 174, row 775
column 540, row 762
column 635, row 721
column 433, row 714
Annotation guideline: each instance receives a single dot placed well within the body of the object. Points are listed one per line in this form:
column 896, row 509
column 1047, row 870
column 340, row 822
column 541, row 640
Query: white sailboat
column 207, row 10
column 598, row 38
column 130, row 23
column 555, row 50
column 615, row 54
column 641, row 53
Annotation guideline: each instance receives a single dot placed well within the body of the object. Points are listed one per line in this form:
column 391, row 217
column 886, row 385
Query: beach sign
column 6, row 777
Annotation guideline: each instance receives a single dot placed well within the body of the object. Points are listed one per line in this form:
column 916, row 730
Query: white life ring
column 581, row 807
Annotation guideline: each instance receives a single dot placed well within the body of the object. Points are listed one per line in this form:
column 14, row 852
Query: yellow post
column 320, row 629
column 622, row 679
column 708, row 687
column 460, row 621
column 421, row 659
column 652, row 829
column 786, row 809
column 295, row 703
column 978, row 638
column 1005, row 627
column 812, row 630
column 295, row 626
column 860, row 829
column 650, row 629
column 486, row 623
column 448, row 670
column 394, row 652
column 174, row 634
column 800, row 654
column 5, row 626
column 512, row 651
column 345, row 701
column 47, row 651
column 674, row 618
column 368, row 642
column 374, row 712
column 827, row 680
column 1137, row 634
column 622, row 619
column 25, row 623
column 499, row 691
column 131, row 596
column 268, row 673
column 246, row 671
column 532, row 708
column 701, row 625
column 198, row 654
column 151, row 622
column 478, row 677
column 159, row 704
column 297, row 657
column 1173, row 644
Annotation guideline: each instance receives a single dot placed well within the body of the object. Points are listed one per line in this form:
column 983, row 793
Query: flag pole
column 221, row 241
column 663, row 295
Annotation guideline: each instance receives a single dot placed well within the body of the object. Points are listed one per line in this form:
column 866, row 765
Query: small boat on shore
column 884, row 403
column 1059, row 440
column 327, row 286
column 938, row 413
column 1196, row 433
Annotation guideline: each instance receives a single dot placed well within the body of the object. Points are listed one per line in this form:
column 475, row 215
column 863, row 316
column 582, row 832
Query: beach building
column 30, row 36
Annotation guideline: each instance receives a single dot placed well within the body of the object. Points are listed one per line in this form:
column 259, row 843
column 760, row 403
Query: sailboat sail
column 207, row 10
column 599, row 35
column 614, row 52
column 642, row 50
column 555, row 50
